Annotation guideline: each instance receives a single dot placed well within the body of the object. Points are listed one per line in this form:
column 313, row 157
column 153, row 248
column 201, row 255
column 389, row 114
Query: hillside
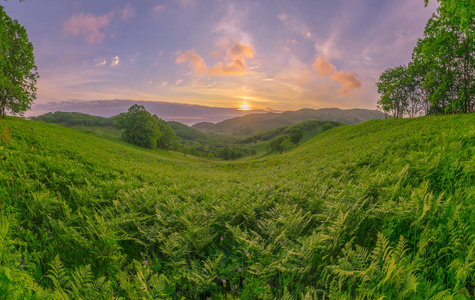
column 253, row 123
column 203, row 126
column 384, row 208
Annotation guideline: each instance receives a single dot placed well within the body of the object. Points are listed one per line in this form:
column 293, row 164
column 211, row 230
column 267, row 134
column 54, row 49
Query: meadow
column 380, row 210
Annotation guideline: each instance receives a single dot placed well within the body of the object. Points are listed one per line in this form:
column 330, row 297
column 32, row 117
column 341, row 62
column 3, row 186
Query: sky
column 229, row 56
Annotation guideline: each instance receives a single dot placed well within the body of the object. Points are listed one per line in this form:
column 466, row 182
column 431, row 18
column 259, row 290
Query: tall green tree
column 447, row 54
column 18, row 72
column 140, row 127
column 393, row 88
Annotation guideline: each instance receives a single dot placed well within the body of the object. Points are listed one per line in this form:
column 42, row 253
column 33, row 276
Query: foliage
column 17, row 67
column 73, row 119
column 203, row 144
column 441, row 77
column 296, row 135
column 327, row 126
column 269, row 134
column 258, row 122
column 393, row 86
column 368, row 211
column 280, row 143
column 167, row 137
column 232, row 153
column 140, row 127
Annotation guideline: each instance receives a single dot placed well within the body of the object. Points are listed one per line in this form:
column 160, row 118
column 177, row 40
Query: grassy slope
column 297, row 223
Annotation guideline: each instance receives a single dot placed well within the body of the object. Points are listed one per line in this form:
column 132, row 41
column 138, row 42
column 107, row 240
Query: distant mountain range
column 252, row 123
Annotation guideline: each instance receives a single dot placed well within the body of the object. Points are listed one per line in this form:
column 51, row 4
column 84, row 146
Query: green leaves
column 440, row 78
column 18, row 73
column 140, row 128
column 296, row 135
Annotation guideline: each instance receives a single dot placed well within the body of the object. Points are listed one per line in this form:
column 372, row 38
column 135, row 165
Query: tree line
column 440, row 79
column 74, row 119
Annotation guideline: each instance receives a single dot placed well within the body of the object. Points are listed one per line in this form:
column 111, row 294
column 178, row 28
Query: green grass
column 384, row 208
column 102, row 131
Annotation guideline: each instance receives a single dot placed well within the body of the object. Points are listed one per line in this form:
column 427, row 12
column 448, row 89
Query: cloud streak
column 295, row 25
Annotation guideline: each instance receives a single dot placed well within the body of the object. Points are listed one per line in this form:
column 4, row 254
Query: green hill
column 384, row 208
column 253, row 123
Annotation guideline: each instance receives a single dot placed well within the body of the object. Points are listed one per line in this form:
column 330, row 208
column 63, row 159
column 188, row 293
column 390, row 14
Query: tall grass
column 378, row 210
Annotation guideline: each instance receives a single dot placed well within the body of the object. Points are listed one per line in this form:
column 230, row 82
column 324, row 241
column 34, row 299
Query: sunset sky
column 260, row 55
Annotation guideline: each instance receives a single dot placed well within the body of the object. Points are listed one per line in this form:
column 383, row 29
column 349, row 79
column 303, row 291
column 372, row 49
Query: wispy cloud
column 115, row 61
column 158, row 8
column 193, row 59
column 329, row 48
column 295, row 25
column 88, row 26
column 100, row 63
column 164, row 83
column 128, row 12
column 232, row 23
column 179, row 81
column 187, row 3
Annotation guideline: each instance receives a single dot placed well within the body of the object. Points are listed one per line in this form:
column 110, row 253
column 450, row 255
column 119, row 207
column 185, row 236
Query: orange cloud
column 236, row 67
column 235, row 60
column 88, row 26
column 194, row 60
column 348, row 80
column 239, row 50
column 323, row 67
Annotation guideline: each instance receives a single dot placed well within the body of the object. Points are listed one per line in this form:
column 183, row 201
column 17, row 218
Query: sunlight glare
column 244, row 106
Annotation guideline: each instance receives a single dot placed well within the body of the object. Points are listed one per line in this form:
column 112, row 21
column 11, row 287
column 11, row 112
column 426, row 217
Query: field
column 380, row 210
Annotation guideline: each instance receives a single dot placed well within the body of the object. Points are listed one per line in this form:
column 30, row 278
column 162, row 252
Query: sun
column 244, row 106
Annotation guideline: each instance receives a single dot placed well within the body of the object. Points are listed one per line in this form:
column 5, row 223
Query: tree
column 394, row 91
column 140, row 127
column 279, row 143
column 327, row 126
column 168, row 135
column 225, row 153
column 445, row 58
column 296, row 135
column 18, row 72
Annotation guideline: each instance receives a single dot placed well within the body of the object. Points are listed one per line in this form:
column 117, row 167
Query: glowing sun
column 244, row 106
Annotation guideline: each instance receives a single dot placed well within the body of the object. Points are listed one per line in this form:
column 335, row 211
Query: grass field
column 380, row 210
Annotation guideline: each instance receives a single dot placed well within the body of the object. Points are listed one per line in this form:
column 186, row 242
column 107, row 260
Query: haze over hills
column 184, row 113
column 253, row 123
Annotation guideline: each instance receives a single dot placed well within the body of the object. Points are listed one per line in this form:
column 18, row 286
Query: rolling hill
column 382, row 209
column 253, row 123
